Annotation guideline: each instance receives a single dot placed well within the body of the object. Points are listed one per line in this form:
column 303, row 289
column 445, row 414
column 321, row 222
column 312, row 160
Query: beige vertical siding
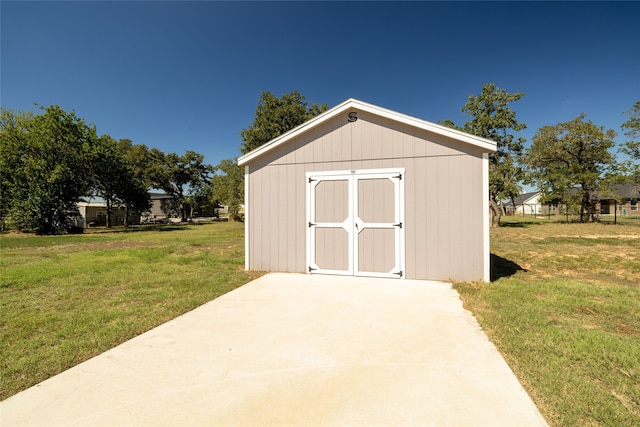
column 443, row 195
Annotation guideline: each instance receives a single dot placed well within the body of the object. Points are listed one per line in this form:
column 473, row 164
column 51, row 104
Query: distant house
column 222, row 211
column 626, row 202
column 524, row 204
column 95, row 214
column 163, row 209
column 622, row 200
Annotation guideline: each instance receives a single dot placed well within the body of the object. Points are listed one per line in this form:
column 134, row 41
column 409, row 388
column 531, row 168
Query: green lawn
column 564, row 310
column 64, row 299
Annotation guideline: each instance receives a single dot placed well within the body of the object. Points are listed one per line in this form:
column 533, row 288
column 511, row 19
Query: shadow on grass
column 518, row 224
column 138, row 228
column 501, row 267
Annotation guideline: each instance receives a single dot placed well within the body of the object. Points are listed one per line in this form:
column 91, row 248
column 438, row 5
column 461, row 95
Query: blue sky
column 188, row 75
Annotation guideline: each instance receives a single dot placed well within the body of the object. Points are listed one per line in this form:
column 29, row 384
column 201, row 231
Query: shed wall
column 443, row 194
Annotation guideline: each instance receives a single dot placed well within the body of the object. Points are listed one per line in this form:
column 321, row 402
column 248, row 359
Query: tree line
column 50, row 161
column 571, row 163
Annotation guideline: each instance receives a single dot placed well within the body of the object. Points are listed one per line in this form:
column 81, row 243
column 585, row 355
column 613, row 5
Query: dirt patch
column 624, row 329
column 608, row 236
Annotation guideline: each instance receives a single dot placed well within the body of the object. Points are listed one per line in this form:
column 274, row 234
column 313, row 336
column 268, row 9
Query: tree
column 13, row 135
column 140, row 159
column 632, row 146
column 275, row 116
column 228, row 187
column 49, row 169
column 109, row 174
column 450, row 124
column 115, row 180
column 135, row 198
column 491, row 118
column 571, row 163
column 180, row 176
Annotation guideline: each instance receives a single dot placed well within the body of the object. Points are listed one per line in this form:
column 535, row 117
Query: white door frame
column 354, row 225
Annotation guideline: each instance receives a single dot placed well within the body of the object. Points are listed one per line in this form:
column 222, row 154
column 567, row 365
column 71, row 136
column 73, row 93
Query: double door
column 356, row 222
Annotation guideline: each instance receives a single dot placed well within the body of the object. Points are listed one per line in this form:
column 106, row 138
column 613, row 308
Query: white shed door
column 355, row 223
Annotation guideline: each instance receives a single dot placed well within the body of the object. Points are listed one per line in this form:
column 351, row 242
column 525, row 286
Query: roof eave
column 485, row 144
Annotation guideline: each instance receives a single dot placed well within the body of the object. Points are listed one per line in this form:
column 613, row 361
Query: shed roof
column 485, row 144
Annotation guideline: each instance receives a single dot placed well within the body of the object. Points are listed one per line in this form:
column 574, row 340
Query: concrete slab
column 287, row 350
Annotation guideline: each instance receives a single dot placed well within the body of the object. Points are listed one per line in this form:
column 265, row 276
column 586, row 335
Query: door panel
column 331, row 249
column 330, row 238
column 381, row 256
column 356, row 223
column 378, row 223
column 376, row 200
column 331, row 201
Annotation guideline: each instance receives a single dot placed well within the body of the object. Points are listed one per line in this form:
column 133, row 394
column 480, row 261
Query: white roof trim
column 92, row 204
column 485, row 144
column 531, row 199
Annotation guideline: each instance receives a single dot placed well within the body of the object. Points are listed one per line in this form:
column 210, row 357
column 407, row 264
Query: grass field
column 564, row 310
column 64, row 299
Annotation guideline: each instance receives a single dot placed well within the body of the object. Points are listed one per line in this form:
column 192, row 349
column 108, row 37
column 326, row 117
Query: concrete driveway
column 295, row 350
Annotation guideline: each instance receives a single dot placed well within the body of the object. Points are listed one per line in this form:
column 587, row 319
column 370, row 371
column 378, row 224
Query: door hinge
column 397, row 225
column 311, row 224
column 311, row 269
column 311, row 180
column 398, row 273
column 398, row 176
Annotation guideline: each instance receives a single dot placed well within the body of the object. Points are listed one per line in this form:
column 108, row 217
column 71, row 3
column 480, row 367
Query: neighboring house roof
column 485, row 144
column 92, row 204
column 159, row 196
column 524, row 198
column 626, row 190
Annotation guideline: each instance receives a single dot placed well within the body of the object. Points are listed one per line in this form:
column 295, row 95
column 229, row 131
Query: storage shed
column 362, row 190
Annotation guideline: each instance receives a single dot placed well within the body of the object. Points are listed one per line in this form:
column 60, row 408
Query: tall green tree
column 140, row 164
column 181, row 176
column 13, row 135
column 109, row 173
column 571, row 163
column 275, row 116
column 50, row 169
column 228, row 186
column 136, row 199
column 631, row 147
column 491, row 118
column 115, row 181
column 141, row 159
